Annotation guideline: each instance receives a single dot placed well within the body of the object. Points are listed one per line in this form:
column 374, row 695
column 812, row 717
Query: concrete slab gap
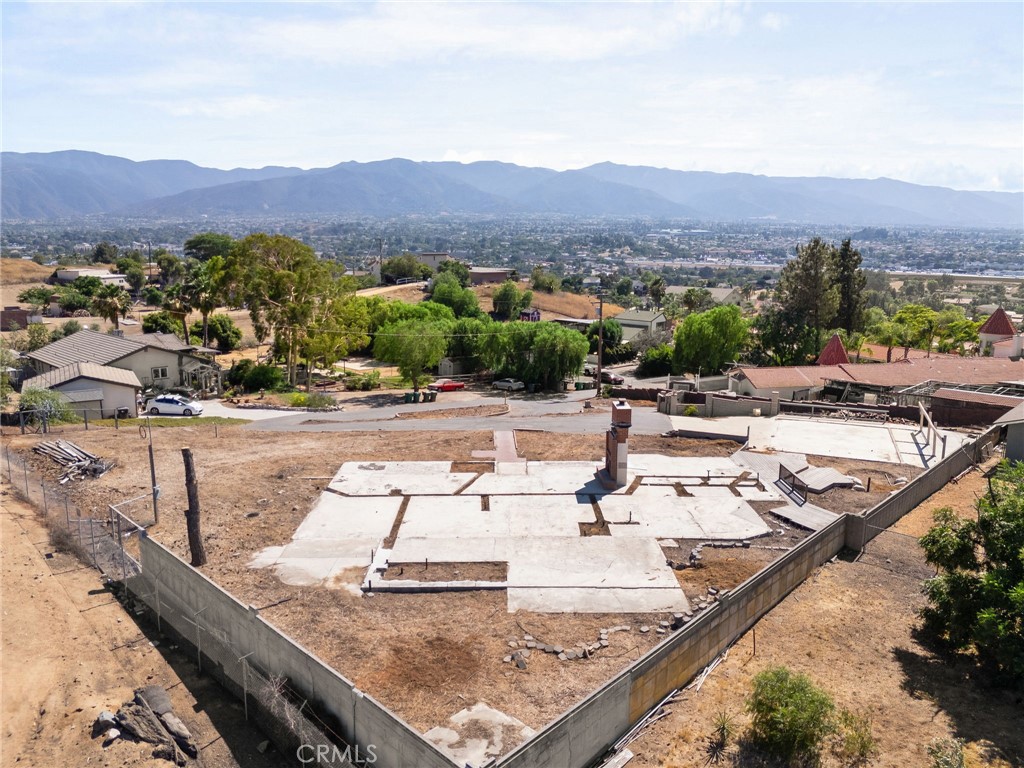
column 389, row 542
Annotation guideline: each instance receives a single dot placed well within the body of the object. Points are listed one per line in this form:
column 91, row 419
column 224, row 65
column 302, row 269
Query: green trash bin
column 429, row 397
column 415, row 397
column 407, row 397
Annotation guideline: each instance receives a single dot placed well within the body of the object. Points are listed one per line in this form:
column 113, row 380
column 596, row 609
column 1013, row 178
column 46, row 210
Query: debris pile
column 79, row 463
column 148, row 717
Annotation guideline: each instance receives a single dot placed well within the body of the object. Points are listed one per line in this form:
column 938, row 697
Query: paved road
column 552, row 413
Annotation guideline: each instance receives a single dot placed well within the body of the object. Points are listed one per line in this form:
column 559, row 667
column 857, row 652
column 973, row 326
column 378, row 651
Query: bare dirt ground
column 852, row 628
column 428, row 656
column 70, row 650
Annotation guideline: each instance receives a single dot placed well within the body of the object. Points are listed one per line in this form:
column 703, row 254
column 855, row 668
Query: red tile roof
column 905, row 373
column 998, row 324
column 834, row 352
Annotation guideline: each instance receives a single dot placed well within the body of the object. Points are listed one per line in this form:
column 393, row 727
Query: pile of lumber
column 79, row 463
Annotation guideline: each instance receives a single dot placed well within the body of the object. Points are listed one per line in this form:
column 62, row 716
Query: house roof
column 981, row 398
column 956, row 370
column 84, row 395
column 80, row 370
column 998, row 324
column 102, row 348
column 85, row 346
column 1014, row 416
column 639, row 315
column 834, row 352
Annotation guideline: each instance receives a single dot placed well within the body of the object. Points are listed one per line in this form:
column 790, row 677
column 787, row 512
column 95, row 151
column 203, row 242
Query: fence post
column 46, row 509
column 67, row 512
column 25, row 465
column 10, row 476
column 86, row 412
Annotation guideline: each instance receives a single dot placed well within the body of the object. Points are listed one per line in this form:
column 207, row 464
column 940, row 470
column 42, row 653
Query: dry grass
column 21, row 272
column 558, row 304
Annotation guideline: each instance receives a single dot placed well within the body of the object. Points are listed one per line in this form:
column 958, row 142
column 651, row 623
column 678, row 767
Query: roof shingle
column 93, row 371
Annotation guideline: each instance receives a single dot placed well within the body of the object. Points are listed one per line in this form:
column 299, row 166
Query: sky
column 930, row 93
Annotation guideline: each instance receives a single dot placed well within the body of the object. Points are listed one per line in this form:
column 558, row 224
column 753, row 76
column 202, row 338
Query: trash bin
column 407, row 397
column 415, row 397
column 123, row 413
column 429, row 397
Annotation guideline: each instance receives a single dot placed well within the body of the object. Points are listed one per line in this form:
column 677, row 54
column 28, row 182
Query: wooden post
column 195, row 539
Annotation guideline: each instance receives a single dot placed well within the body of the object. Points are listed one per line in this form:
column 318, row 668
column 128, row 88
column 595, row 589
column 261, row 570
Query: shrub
column 263, row 377
column 53, row 404
column 791, row 716
column 319, row 400
column 655, row 361
column 690, row 410
column 856, row 742
column 297, row 400
column 947, row 753
column 237, row 373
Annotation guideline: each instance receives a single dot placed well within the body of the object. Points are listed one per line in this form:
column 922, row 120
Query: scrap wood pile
column 78, row 462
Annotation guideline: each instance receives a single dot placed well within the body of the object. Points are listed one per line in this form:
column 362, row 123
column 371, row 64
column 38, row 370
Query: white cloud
column 772, row 21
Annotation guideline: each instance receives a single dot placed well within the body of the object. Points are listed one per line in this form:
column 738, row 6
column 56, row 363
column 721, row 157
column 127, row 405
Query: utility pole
column 600, row 338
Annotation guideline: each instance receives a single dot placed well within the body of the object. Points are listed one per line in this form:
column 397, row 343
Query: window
column 160, row 373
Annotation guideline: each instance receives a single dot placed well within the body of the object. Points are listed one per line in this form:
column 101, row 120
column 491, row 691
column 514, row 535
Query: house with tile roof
column 807, row 382
column 159, row 360
column 98, row 391
column 636, row 321
column 998, row 336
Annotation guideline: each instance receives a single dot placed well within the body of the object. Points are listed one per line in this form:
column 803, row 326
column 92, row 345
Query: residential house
column 1014, row 423
column 98, row 391
column 531, row 315
column 636, row 321
column 15, row 318
column 483, row 275
column 999, row 337
column 159, row 360
column 65, row 276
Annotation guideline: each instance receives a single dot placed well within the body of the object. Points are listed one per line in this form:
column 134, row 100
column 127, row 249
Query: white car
column 173, row 405
column 509, row 385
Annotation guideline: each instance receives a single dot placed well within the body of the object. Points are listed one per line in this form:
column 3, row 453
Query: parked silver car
column 509, row 385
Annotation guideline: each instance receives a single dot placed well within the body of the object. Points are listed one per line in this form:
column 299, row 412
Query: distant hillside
column 72, row 183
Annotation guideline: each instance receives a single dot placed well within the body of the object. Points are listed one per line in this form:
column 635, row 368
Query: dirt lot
column 428, row 656
column 70, row 651
column 851, row 628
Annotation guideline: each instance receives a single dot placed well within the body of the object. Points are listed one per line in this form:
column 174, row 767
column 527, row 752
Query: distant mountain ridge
column 73, row 183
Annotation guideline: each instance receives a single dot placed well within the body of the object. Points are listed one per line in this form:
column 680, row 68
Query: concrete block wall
column 736, row 406
column 228, row 631
column 580, row 736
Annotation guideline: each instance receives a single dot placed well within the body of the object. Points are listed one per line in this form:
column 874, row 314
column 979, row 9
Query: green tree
column 657, row 289
column 977, row 598
column 624, row 287
column 456, row 268
column 508, row 301
column 919, row 322
column 404, row 267
column 447, row 290
column 104, row 252
column 162, row 323
column 339, row 324
column 540, row 353
column 609, row 330
column 707, row 341
column 171, row 268
column 541, row 280
column 37, row 296
column 850, row 280
column 111, row 302
column 414, row 346
column 135, row 277
column 153, row 296
column 697, row 300
column 36, row 337
column 890, row 335
column 807, row 288
column 87, row 285
column 220, row 328
column 70, row 301
column 206, row 245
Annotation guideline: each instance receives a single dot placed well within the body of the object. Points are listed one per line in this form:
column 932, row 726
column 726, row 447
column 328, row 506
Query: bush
column 53, row 404
column 947, row 753
column 690, row 410
column 237, row 373
column 221, row 330
column 363, row 383
column 316, row 400
column 655, row 361
column 263, row 377
column 856, row 742
column 791, row 716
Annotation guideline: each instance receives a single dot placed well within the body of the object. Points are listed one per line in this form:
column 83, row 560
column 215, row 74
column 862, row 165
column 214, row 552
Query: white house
column 96, row 390
column 158, row 360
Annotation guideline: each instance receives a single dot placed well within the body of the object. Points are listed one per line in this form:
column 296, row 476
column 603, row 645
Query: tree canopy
column 508, row 301
column 414, row 346
column 977, row 598
column 707, row 341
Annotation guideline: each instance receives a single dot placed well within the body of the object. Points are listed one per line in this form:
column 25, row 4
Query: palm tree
column 111, row 302
column 176, row 304
column 890, row 335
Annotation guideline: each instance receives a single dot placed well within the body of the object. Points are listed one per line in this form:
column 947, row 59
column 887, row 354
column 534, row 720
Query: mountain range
column 69, row 184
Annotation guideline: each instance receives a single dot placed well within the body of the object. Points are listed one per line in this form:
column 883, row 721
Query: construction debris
column 148, row 717
column 79, row 463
